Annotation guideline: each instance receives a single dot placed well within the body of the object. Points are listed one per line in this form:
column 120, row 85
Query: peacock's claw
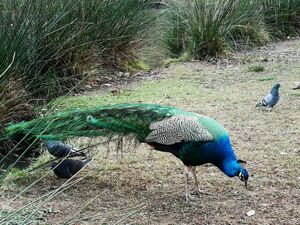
column 199, row 192
column 190, row 197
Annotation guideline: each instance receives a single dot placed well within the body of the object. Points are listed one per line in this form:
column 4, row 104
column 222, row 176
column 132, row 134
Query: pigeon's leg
column 196, row 189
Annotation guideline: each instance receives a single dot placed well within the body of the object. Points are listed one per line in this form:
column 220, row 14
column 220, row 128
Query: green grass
column 23, row 177
column 266, row 78
column 152, row 92
column 256, row 68
column 296, row 93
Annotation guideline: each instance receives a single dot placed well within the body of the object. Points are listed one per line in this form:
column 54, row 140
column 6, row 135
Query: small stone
column 250, row 213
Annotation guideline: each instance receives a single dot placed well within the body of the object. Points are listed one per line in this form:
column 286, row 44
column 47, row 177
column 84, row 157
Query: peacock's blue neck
column 218, row 152
column 227, row 161
column 228, row 164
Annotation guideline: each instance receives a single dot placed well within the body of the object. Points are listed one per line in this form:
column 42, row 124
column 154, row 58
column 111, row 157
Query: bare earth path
column 138, row 188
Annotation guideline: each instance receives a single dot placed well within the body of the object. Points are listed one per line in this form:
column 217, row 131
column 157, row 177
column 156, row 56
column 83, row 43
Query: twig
column 96, row 215
column 87, row 204
column 130, row 214
column 12, row 61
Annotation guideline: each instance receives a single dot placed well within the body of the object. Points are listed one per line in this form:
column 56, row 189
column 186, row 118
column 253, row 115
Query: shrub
column 42, row 38
column 256, row 68
column 212, row 27
column 55, row 42
column 282, row 17
column 52, row 40
column 14, row 107
column 117, row 26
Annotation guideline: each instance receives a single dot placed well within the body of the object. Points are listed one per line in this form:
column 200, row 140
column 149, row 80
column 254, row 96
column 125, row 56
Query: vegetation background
column 52, row 52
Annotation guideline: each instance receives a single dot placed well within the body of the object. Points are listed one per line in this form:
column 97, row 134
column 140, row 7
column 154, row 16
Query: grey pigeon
column 297, row 85
column 271, row 99
column 60, row 150
column 68, row 167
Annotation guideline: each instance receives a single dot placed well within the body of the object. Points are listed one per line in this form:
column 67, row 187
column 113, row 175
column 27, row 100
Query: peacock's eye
column 241, row 176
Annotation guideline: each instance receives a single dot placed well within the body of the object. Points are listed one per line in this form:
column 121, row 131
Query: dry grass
column 144, row 188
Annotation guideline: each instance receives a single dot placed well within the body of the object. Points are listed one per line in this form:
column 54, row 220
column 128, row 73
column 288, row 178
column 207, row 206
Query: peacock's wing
column 176, row 129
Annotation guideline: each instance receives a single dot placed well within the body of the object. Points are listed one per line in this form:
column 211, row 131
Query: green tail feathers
column 121, row 119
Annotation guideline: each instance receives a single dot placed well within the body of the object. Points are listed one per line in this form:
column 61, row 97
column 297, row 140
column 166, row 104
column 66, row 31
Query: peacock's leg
column 186, row 177
column 196, row 190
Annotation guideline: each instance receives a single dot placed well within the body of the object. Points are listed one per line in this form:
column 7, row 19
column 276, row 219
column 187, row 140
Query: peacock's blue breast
column 199, row 153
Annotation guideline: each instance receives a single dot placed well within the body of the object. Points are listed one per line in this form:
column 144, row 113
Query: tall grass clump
column 55, row 42
column 42, row 38
column 201, row 28
column 14, row 107
column 51, row 41
column 282, row 17
column 117, row 28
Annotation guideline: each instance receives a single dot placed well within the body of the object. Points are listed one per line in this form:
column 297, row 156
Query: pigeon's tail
column 295, row 88
column 86, row 161
column 259, row 104
column 77, row 153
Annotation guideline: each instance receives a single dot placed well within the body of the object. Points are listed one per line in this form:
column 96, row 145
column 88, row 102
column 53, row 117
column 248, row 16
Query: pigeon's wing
column 274, row 101
column 58, row 149
column 76, row 165
column 267, row 101
column 63, row 171
column 176, row 129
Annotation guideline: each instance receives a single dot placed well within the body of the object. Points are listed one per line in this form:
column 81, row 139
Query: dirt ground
column 140, row 186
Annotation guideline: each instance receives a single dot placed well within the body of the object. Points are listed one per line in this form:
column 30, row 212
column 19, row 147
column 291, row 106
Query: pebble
column 250, row 213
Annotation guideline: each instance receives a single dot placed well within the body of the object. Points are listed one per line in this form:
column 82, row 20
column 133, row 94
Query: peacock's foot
column 190, row 197
column 199, row 192
column 195, row 195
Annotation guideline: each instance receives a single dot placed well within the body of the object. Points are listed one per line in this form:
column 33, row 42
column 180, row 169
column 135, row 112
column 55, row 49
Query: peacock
column 193, row 138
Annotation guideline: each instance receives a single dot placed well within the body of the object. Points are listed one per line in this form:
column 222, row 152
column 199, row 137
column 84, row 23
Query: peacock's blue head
column 243, row 175
column 233, row 168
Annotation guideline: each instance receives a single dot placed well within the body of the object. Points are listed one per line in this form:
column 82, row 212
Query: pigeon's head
column 276, row 86
column 275, row 89
column 53, row 165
